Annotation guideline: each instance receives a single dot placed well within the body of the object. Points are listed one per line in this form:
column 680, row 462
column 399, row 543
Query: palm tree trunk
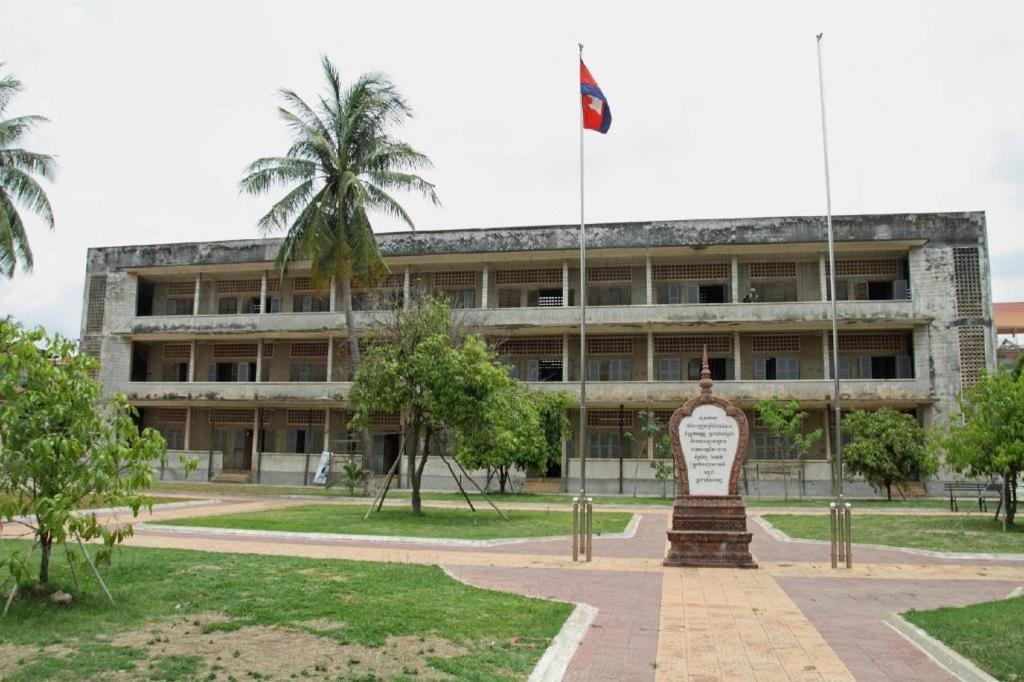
column 366, row 441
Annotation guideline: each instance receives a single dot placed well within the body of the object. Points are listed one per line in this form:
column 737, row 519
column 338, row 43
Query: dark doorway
column 385, row 452
column 549, row 370
column 241, row 455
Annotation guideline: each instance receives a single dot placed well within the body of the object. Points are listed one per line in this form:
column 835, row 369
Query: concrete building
column 249, row 373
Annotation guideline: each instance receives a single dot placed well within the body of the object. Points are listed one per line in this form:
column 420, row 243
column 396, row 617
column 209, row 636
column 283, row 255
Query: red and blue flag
column 596, row 114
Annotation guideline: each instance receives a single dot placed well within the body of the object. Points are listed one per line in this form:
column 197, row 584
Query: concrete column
column 255, row 435
column 192, row 362
column 823, row 276
column 188, row 429
column 333, row 307
column 327, row 429
column 330, row 358
column 736, row 350
column 650, row 447
column 197, row 294
column 826, row 355
column 565, row 357
column 263, row 293
column 565, row 283
column 650, row 356
column 650, row 282
column 406, row 288
column 485, row 288
column 735, row 267
column 259, row 360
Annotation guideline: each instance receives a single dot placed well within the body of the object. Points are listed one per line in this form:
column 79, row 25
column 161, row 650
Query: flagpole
column 837, row 487
column 583, row 319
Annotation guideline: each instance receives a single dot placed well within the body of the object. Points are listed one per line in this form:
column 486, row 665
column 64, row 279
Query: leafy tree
column 986, row 437
column 664, row 465
column 786, row 420
column 17, row 184
column 62, row 445
column 342, row 166
column 521, row 429
column 887, row 447
column 418, row 361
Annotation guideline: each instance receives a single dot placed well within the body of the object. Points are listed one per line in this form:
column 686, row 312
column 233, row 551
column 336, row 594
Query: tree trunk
column 412, row 446
column 502, row 479
column 45, row 543
column 888, row 491
column 1009, row 488
column 365, row 440
column 416, row 474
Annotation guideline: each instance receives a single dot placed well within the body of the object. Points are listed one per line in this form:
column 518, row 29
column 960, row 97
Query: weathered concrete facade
column 250, row 372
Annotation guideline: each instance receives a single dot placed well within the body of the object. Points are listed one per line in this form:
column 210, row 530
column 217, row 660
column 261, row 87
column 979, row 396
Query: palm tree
column 17, row 186
column 341, row 167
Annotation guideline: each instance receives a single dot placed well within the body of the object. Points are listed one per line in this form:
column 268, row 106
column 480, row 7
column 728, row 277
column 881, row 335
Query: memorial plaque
column 709, row 443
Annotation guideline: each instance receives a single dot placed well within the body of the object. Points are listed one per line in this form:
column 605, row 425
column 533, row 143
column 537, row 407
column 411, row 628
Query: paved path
column 794, row 618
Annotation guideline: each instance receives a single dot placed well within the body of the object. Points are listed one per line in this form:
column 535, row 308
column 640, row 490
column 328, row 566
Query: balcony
column 795, row 316
column 811, row 392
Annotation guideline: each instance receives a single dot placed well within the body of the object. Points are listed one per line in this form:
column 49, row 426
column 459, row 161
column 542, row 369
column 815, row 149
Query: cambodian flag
column 596, row 114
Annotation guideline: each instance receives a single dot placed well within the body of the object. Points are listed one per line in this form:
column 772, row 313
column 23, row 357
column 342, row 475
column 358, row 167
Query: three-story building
column 249, row 372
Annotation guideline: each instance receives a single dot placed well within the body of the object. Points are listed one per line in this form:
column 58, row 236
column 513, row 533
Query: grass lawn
column 201, row 488
column 938, row 533
column 436, row 522
column 989, row 634
column 185, row 615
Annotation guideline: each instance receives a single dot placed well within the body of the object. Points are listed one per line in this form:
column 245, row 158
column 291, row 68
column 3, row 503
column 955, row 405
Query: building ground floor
column 281, row 444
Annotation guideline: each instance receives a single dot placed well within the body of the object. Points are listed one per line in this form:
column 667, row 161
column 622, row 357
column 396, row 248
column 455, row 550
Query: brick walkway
column 792, row 619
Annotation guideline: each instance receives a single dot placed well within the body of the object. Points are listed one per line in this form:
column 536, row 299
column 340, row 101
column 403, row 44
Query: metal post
column 849, row 535
column 583, row 320
column 832, row 533
column 575, row 529
column 590, row 526
column 838, row 463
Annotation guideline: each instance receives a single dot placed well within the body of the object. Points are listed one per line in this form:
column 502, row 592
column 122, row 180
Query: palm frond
column 9, row 87
column 29, row 162
column 22, row 188
column 273, row 171
column 291, row 204
column 12, row 129
column 13, row 240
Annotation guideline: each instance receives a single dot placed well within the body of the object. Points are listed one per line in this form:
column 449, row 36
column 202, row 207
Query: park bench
column 975, row 491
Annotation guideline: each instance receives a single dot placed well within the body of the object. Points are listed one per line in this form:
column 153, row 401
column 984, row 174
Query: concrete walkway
column 794, row 618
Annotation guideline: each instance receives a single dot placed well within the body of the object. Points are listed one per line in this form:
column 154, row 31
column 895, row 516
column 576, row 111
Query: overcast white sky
column 156, row 107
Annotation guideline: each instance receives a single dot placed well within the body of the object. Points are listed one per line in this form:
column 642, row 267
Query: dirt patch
column 282, row 652
column 10, row 654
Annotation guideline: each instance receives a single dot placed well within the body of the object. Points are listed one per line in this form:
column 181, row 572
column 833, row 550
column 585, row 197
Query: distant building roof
column 1009, row 317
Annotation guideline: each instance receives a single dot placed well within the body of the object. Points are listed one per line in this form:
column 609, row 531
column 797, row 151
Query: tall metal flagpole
column 583, row 321
column 837, row 490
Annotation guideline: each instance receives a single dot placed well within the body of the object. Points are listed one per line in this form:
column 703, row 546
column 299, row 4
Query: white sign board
column 322, row 468
column 710, row 439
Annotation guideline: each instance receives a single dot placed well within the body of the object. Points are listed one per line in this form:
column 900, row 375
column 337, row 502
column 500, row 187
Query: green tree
column 418, row 361
column 663, row 464
column 18, row 187
column 342, row 166
column 62, row 445
column 986, row 436
column 786, row 420
column 519, row 429
column 886, row 447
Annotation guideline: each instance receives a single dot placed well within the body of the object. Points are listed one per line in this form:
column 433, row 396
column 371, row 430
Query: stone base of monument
column 710, row 532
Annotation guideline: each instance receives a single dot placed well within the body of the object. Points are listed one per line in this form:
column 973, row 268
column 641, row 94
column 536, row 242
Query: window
column 461, row 299
column 670, row 369
column 549, row 298
column 267, row 440
column 611, row 369
column 669, row 294
column 175, row 437
column 543, row 370
column 305, row 440
column 179, row 306
column 617, row 295
column 767, row 446
column 604, row 444
column 231, row 371
column 776, row 292
column 307, row 371
column 219, row 441
column 307, row 303
column 227, row 305
column 721, row 368
column 509, row 298
column 175, row 371
column 776, row 369
column 512, row 366
column 272, row 304
column 844, row 365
